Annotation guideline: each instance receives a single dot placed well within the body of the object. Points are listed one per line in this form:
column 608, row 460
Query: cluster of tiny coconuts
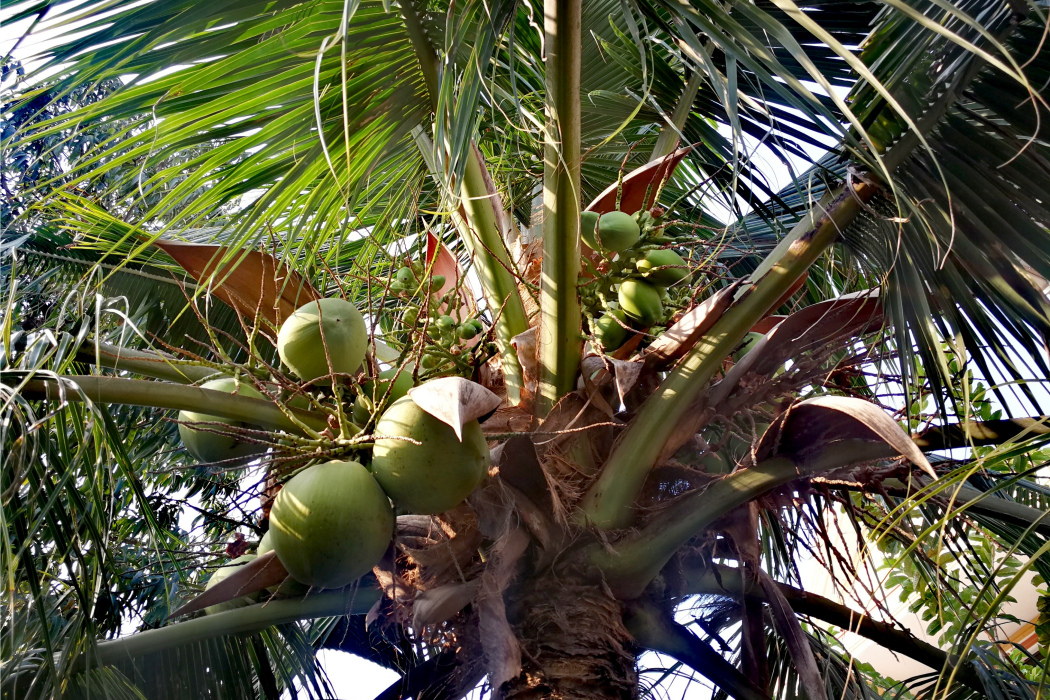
column 630, row 244
column 451, row 343
column 332, row 522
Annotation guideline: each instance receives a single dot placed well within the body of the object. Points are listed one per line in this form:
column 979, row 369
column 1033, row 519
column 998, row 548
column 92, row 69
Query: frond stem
column 560, row 340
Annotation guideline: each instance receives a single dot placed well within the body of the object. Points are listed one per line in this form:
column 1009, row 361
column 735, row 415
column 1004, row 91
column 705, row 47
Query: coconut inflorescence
column 434, row 475
column 331, row 524
column 208, row 442
column 323, row 337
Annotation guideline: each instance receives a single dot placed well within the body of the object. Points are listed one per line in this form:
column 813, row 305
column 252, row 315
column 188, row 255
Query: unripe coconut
column 641, row 301
column 662, row 258
column 210, row 446
column 617, row 231
column 290, row 587
column 747, row 345
column 375, row 389
column 331, row 524
column 608, row 331
column 435, row 475
column 301, row 343
column 588, row 223
column 378, row 387
column 222, row 573
column 362, row 410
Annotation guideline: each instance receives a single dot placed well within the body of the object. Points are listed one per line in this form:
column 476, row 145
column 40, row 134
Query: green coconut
column 402, row 383
column 334, row 324
column 375, row 389
column 663, row 267
column 747, row 345
column 224, row 572
column 209, row 446
column 438, row 473
column 290, row 587
column 608, row 330
column 617, row 231
column 641, row 301
column 714, row 463
column 588, row 223
column 331, row 524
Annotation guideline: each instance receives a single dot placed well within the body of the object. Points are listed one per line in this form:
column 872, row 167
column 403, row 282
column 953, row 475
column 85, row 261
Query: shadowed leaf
column 810, row 328
column 639, row 188
column 262, row 572
column 253, row 283
column 434, row 606
column 444, row 263
column 810, row 426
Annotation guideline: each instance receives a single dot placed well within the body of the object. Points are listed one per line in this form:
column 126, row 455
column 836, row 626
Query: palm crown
column 678, row 409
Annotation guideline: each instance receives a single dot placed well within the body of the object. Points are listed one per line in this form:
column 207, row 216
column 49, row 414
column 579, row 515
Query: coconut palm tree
column 685, row 403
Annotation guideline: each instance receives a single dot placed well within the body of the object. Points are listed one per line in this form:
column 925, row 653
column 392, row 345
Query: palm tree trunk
column 574, row 643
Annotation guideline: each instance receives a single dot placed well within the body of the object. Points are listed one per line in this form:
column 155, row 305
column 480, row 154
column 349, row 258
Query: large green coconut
column 617, row 231
column 334, row 324
column 663, row 267
column 331, row 524
column 209, row 446
column 222, row 573
column 436, row 474
column 641, row 301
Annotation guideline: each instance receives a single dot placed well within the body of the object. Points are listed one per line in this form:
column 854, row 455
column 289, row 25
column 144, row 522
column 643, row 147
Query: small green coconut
column 617, row 231
column 438, row 473
column 608, row 330
column 402, row 383
column 663, row 267
column 224, row 572
column 641, row 301
column 209, row 446
column 588, row 224
column 331, row 524
column 747, row 345
column 375, row 390
column 334, row 324
column 290, row 587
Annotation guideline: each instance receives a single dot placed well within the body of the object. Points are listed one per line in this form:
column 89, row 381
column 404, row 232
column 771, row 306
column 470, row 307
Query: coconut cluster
column 332, row 522
column 637, row 269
